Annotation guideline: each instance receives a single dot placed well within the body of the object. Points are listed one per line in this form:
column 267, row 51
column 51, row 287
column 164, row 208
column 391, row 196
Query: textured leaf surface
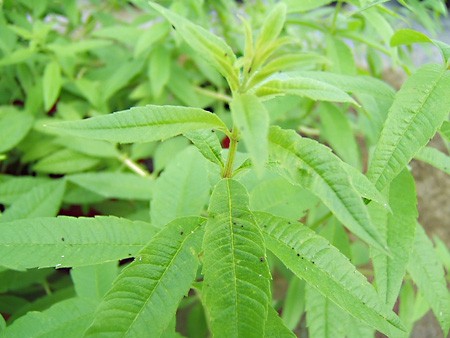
column 209, row 46
column 69, row 241
column 236, row 275
column 322, row 266
column 208, row 144
column 435, row 157
column 115, row 185
column 321, row 172
column 41, row 201
column 275, row 327
column 145, row 296
column 418, row 111
column 181, row 190
column 141, row 124
column 65, row 161
column 93, row 281
column 398, row 230
column 427, row 273
column 68, row 318
column 252, row 120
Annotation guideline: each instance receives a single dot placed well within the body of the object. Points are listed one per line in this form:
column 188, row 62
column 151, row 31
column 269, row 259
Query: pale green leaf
column 324, row 318
column 209, row 46
column 294, row 303
column 159, row 70
column 52, row 83
column 208, row 144
column 434, row 157
column 445, row 130
column 340, row 55
column 69, row 241
column 151, row 35
column 419, row 109
column 272, row 26
column 398, row 230
column 15, row 186
column 40, row 201
column 65, row 161
column 322, row 266
column 313, row 166
column 115, row 185
column 141, row 124
column 145, row 296
column 304, row 87
column 407, row 36
column 443, row 252
column 252, row 120
column 181, row 190
column 304, row 5
column 93, row 281
column 120, row 77
column 68, row 318
column 275, row 327
column 14, row 126
column 94, row 148
column 427, row 273
column 236, row 287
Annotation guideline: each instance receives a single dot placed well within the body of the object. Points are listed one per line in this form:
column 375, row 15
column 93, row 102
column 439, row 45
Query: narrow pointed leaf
column 115, row 185
column 68, row 318
column 275, row 327
column 427, row 273
column 321, row 172
column 435, row 158
column 145, row 296
column 93, row 281
column 322, row 266
column 399, row 234
column 236, row 275
column 272, row 26
column 419, row 109
column 208, row 144
column 252, row 120
column 69, row 241
column 209, row 46
column 40, row 201
column 178, row 192
column 51, row 84
column 141, row 124
column 65, row 161
column 12, row 187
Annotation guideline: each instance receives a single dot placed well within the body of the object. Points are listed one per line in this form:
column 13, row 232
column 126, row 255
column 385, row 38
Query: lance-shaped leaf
column 141, row 124
column 427, row 273
column 316, row 168
column 69, row 241
column 435, row 157
column 52, row 83
column 398, row 228
column 115, row 185
column 275, row 328
column 304, row 87
column 144, row 298
column 272, row 26
column 40, row 201
column 68, row 318
column 14, row 126
column 208, row 144
column 209, row 46
column 312, row 258
column 12, row 187
column 252, row 120
column 236, row 284
column 324, row 318
column 419, row 109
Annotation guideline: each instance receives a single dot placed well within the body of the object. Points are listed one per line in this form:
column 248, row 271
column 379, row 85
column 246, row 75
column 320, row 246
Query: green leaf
column 427, row 273
column 419, row 109
column 65, row 161
column 208, row 144
column 304, row 5
column 52, row 83
column 294, row 303
column 236, row 275
column 141, row 124
column 14, row 126
column 68, row 318
column 324, row 318
column 272, row 26
column 93, row 281
column 69, row 241
column 322, row 266
column 340, row 55
column 443, row 252
column 40, row 201
column 434, row 157
column 15, row 186
column 159, row 70
column 407, row 36
column 94, row 148
column 146, row 294
column 252, row 120
column 181, row 190
column 398, row 230
column 115, row 185
column 303, row 87
column 275, row 327
column 445, row 130
column 209, row 46
column 314, row 167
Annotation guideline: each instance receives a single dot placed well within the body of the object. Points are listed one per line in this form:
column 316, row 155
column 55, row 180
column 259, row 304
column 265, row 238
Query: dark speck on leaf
column 298, row 255
column 261, row 259
column 62, row 239
column 181, row 233
column 174, row 27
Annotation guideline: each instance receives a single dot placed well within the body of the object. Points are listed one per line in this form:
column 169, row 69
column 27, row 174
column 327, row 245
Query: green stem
column 133, row 166
column 214, row 95
column 336, row 12
column 228, row 170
